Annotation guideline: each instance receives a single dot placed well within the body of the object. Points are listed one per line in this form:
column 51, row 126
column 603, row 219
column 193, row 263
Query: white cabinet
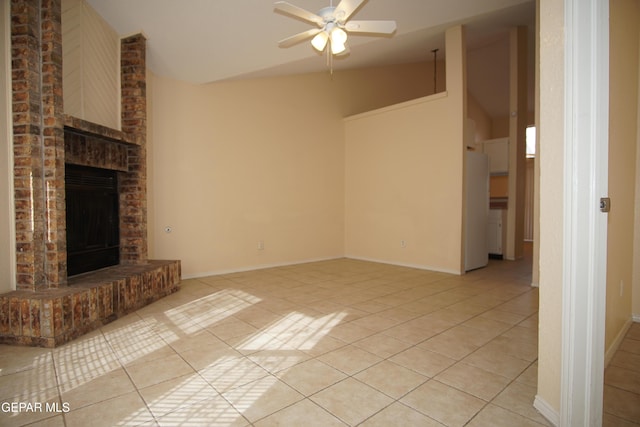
column 498, row 152
column 494, row 232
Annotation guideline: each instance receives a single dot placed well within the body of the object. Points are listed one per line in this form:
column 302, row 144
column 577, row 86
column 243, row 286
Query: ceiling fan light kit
column 320, row 41
column 333, row 25
column 337, row 49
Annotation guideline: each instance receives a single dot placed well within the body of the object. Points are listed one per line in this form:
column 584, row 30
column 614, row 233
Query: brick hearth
column 48, row 318
column 48, row 308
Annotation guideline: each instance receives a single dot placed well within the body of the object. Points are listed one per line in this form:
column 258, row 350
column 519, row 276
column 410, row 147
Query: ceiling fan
column 333, row 25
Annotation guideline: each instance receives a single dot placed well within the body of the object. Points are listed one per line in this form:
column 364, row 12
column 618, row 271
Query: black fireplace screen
column 93, row 236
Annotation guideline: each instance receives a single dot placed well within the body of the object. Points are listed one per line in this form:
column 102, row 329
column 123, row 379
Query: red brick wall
column 36, row 51
column 55, row 240
column 133, row 184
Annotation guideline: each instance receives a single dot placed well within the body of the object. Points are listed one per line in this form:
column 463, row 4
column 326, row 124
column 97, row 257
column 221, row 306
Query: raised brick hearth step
column 52, row 317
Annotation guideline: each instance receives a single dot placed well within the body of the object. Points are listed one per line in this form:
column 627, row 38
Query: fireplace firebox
column 93, row 238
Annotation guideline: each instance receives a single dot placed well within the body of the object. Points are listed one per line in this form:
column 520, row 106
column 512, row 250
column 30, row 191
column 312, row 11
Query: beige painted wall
column 91, row 72
column 551, row 159
column 359, row 91
column 623, row 131
column 481, row 120
column 238, row 163
column 518, row 56
column 500, row 125
column 403, row 184
column 7, row 247
column 404, row 171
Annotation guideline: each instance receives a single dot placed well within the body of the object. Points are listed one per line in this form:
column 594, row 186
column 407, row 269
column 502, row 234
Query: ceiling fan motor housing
column 328, row 15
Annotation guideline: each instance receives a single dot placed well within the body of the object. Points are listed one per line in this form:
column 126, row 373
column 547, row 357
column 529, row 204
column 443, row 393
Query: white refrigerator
column 476, row 254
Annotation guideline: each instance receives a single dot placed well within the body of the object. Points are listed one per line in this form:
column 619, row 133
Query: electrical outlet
column 403, row 244
column 261, row 245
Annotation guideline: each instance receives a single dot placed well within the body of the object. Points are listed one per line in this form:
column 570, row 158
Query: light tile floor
column 622, row 383
column 330, row 343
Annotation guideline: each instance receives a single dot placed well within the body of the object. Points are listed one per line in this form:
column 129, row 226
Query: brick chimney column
column 38, row 129
column 133, row 184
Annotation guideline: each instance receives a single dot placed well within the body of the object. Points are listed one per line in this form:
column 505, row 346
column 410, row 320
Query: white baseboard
column 253, row 267
column 409, row 265
column 547, row 411
column 611, row 351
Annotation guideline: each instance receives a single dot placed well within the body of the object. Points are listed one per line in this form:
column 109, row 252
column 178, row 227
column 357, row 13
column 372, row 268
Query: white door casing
column 586, row 123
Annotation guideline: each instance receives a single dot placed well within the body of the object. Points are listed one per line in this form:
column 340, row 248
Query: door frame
column 586, row 133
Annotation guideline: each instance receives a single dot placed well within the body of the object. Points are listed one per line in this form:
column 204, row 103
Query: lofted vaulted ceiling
column 202, row 41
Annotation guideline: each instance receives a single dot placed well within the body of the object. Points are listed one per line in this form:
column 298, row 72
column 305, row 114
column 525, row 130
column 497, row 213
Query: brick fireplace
column 49, row 308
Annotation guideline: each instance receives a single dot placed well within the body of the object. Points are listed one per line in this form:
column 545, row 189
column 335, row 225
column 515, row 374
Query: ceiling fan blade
column 371, row 27
column 298, row 12
column 295, row 39
column 346, row 8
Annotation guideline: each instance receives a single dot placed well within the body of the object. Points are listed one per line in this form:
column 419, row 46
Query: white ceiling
column 203, row 41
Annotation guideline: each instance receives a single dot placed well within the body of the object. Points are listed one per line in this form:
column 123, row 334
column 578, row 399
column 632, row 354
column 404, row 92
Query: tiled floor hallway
column 330, row 343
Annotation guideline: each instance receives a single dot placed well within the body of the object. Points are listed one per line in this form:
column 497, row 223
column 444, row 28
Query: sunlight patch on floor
column 295, row 331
